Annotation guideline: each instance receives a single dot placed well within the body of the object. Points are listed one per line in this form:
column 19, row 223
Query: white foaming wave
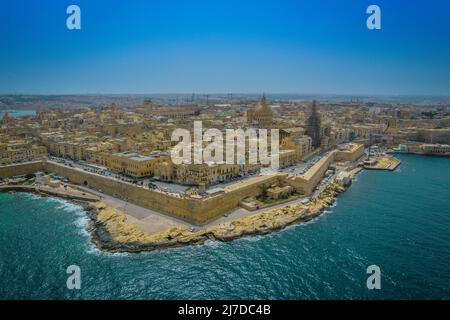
column 315, row 219
column 68, row 206
column 276, row 232
column 81, row 221
column 212, row 243
column 32, row 196
column 94, row 250
column 289, row 227
column 334, row 203
column 253, row 238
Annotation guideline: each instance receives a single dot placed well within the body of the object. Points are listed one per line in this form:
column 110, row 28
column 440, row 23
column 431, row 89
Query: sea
column 398, row 221
column 18, row 113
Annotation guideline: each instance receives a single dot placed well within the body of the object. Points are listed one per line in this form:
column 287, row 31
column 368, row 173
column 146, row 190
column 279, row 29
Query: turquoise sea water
column 18, row 113
column 398, row 220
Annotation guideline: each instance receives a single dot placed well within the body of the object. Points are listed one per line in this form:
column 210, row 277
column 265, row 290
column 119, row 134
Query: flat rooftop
column 134, row 156
column 348, row 147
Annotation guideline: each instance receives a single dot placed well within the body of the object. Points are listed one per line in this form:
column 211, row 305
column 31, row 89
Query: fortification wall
column 180, row 207
column 20, row 169
column 307, row 182
column 217, row 205
column 352, row 155
column 194, row 210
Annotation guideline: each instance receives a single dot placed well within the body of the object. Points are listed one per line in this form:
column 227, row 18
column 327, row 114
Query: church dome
column 262, row 115
column 262, row 109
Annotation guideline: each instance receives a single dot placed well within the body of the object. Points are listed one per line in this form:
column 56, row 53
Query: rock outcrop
column 111, row 231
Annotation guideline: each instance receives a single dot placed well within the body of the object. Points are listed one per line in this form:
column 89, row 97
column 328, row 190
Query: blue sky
column 175, row 46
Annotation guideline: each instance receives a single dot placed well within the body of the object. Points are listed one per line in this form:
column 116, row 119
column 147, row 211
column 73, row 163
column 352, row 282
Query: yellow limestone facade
column 20, row 169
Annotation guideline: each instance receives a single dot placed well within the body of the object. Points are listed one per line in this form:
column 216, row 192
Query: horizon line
column 234, row 93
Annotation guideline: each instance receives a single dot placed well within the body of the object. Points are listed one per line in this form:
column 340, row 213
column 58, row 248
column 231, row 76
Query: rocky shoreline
column 111, row 232
column 68, row 194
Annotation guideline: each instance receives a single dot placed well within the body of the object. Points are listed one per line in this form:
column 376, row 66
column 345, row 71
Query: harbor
column 383, row 162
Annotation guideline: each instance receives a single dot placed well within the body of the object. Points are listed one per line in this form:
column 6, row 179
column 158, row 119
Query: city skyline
column 265, row 46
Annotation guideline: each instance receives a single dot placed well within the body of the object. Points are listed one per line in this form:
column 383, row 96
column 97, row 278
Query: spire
column 314, row 108
column 5, row 118
column 263, row 99
column 313, row 125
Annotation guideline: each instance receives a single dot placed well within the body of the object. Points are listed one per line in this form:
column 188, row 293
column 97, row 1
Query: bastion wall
column 20, row 169
column 215, row 206
column 180, row 207
column 307, row 182
column 196, row 211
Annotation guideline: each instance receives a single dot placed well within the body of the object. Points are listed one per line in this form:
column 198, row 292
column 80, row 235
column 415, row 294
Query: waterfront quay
column 383, row 162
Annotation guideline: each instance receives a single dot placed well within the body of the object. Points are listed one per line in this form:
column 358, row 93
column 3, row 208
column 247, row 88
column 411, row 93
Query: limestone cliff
column 112, row 232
